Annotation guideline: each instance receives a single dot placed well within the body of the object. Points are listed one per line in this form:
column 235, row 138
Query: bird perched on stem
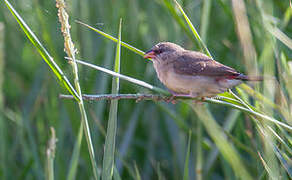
column 191, row 73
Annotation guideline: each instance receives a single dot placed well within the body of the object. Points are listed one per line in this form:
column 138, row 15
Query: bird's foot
column 171, row 99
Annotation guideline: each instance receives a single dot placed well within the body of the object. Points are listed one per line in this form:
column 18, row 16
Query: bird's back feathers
column 194, row 63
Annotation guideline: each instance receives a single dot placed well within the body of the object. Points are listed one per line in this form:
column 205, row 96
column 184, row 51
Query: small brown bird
column 191, row 73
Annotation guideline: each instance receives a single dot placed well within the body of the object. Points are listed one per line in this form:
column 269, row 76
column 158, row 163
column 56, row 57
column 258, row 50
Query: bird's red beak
column 149, row 55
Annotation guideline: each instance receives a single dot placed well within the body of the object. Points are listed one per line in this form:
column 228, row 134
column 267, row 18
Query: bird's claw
column 171, row 99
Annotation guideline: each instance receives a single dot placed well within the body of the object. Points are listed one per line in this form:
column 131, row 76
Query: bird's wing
column 194, row 63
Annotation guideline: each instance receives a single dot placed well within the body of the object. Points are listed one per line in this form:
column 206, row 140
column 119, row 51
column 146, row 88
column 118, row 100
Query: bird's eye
column 158, row 51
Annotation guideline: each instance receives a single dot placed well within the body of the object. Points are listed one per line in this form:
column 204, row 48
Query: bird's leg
column 172, row 98
column 174, row 95
column 200, row 99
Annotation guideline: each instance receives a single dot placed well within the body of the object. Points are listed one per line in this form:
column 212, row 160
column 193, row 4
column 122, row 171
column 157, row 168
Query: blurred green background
column 151, row 136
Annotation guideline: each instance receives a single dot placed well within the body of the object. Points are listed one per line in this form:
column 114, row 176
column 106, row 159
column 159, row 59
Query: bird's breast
column 161, row 71
column 170, row 78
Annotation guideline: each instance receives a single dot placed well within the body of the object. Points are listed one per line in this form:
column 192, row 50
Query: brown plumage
column 192, row 73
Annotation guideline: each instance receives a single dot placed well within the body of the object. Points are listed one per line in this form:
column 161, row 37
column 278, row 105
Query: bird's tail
column 249, row 78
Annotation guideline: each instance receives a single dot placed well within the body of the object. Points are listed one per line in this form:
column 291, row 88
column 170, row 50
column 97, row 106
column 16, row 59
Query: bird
column 191, row 73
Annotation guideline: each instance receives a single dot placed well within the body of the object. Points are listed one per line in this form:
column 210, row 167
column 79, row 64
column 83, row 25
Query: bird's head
column 161, row 50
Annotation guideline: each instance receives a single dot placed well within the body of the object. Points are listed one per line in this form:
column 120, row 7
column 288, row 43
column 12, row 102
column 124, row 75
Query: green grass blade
column 43, row 52
column 280, row 139
column 187, row 160
column 258, row 96
column 138, row 176
column 205, row 16
column 269, row 154
column 271, row 146
column 286, row 163
column 180, row 122
column 75, row 155
column 132, row 48
column 3, row 128
column 227, row 127
column 281, row 36
column 211, row 100
column 226, row 149
column 109, row 150
column 127, row 78
column 199, row 153
column 267, row 168
column 181, row 23
column 205, row 19
column 2, row 63
column 51, row 155
column 70, row 51
column 194, row 31
column 116, row 174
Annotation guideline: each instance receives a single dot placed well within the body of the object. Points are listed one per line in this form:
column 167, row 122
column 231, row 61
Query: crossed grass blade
column 109, row 150
column 43, row 52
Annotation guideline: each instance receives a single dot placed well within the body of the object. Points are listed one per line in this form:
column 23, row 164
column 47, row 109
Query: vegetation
column 241, row 134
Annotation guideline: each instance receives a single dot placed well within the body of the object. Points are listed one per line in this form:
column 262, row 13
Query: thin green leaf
column 187, row 160
column 127, row 78
column 217, row 135
column 281, row 36
column 212, row 100
column 182, row 24
column 258, row 95
column 70, row 51
column 277, row 136
column 205, row 18
column 43, row 52
column 193, row 29
column 51, row 155
column 138, row 176
column 109, row 150
column 199, row 154
column 228, row 125
column 116, row 174
column 75, row 155
column 284, row 162
column 180, row 122
column 267, row 168
column 132, row 48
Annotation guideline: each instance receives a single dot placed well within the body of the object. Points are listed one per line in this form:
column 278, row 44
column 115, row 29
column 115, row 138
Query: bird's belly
column 197, row 86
